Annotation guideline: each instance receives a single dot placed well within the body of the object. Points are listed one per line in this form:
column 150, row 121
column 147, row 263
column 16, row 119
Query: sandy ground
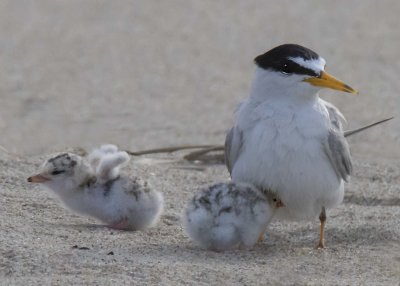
column 145, row 74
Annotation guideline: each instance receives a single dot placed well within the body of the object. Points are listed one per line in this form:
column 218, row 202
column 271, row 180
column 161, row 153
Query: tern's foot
column 322, row 218
column 122, row 224
column 261, row 238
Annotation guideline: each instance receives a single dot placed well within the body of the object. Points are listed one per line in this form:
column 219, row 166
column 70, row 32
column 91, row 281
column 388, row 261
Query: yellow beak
column 326, row 80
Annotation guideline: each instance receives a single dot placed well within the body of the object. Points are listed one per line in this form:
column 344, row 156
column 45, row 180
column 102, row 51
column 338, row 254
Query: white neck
column 271, row 86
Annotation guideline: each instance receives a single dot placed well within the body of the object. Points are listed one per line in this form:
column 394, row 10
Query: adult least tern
column 287, row 139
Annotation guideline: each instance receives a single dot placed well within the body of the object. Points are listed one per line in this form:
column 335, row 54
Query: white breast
column 283, row 150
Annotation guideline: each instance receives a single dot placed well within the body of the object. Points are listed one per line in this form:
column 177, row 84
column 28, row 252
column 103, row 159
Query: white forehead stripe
column 316, row 65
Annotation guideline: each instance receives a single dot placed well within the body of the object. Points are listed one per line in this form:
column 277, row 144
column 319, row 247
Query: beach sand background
column 145, row 74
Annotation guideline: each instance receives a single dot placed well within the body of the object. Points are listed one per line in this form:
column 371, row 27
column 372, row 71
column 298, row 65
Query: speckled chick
column 121, row 202
column 229, row 216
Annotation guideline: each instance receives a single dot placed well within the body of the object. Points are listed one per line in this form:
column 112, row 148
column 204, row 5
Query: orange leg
column 322, row 219
column 278, row 204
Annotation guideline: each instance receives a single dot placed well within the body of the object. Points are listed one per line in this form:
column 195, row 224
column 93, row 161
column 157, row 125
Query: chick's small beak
column 279, row 204
column 328, row 81
column 38, row 179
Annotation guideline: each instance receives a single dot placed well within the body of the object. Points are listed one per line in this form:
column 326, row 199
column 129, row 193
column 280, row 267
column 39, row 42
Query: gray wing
column 233, row 145
column 336, row 146
column 338, row 152
column 335, row 116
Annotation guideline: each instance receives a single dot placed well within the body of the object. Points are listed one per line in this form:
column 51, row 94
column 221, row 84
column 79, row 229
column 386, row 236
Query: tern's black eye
column 286, row 68
column 57, row 172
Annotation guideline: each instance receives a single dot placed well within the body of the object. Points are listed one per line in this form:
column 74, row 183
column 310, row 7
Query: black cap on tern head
column 278, row 59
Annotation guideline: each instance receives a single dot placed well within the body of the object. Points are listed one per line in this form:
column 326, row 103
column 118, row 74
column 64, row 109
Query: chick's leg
column 322, row 219
column 120, row 225
column 261, row 237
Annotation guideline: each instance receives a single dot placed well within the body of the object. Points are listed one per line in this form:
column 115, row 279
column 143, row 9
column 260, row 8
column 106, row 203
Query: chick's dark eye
column 57, row 172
